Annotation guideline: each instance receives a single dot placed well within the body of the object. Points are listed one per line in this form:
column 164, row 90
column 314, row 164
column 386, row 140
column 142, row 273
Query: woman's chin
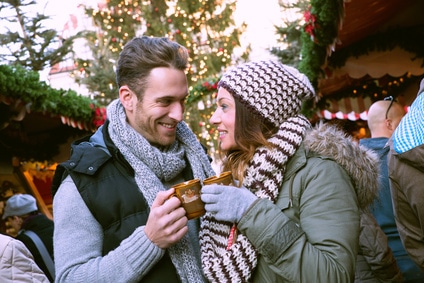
column 227, row 147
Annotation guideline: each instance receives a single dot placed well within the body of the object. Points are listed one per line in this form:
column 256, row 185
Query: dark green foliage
column 18, row 83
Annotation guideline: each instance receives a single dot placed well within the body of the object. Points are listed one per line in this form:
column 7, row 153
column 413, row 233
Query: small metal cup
column 189, row 194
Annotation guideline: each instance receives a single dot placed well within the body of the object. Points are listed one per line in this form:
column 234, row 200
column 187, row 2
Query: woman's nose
column 214, row 118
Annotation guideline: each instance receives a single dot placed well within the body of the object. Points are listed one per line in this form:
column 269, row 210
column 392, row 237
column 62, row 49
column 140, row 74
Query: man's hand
column 227, row 203
column 167, row 222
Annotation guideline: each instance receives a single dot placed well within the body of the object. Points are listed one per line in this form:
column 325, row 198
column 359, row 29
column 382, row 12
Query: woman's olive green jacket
column 311, row 233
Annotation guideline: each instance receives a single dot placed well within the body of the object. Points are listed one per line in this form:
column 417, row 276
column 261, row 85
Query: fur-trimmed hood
column 360, row 163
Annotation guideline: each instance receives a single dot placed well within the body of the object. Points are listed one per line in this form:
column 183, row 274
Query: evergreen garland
column 18, row 83
column 320, row 31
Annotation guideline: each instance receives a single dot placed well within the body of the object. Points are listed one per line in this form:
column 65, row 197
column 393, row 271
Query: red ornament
column 156, row 9
column 177, row 31
column 310, row 25
column 99, row 116
column 169, row 20
column 221, row 49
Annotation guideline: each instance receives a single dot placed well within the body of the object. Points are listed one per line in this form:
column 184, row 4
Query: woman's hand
column 227, row 203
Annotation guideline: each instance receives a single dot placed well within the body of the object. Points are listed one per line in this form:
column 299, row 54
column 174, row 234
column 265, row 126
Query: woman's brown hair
column 251, row 132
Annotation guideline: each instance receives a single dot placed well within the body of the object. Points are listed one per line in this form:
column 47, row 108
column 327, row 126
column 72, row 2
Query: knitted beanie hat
column 270, row 89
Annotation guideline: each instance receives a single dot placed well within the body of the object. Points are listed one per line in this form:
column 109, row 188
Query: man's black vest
column 107, row 185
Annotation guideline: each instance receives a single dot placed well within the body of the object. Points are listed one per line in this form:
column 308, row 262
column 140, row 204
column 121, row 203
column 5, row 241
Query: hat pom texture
column 272, row 90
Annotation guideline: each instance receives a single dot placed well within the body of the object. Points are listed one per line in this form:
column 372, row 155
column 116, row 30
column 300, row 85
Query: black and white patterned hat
column 269, row 88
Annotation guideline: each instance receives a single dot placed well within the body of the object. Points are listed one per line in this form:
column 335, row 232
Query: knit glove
column 227, row 203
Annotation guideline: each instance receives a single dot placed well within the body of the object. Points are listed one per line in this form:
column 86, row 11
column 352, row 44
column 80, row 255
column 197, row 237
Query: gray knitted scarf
column 153, row 167
column 264, row 177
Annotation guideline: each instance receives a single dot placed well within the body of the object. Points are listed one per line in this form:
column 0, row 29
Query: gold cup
column 225, row 178
column 189, row 194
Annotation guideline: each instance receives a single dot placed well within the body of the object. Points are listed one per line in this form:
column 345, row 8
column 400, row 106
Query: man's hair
column 142, row 54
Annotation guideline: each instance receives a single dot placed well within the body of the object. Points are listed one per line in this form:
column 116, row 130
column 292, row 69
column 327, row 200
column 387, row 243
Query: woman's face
column 224, row 118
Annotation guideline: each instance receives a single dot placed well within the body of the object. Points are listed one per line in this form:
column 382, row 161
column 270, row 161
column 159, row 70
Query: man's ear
column 389, row 125
column 127, row 97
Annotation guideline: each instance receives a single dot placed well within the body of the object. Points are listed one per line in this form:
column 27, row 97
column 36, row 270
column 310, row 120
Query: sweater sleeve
column 78, row 241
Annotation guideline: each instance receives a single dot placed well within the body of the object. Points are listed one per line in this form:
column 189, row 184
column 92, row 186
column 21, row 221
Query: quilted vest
column 97, row 176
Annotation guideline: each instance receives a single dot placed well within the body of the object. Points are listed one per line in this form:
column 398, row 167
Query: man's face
column 15, row 222
column 156, row 116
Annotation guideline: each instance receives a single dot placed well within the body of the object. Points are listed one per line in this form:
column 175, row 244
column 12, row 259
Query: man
column 406, row 172
column 114, row 218
column 22, row 213
column 383, row 118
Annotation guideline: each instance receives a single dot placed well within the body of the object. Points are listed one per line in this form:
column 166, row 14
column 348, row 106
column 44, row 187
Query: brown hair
column 142, row 54
column 251, row 132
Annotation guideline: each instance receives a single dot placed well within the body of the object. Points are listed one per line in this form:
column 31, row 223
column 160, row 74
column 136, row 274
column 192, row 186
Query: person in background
column 383, row 118
column 406, row 173
column 115, row 219
column 22, row 213
column 294, row 216
column 17, row 263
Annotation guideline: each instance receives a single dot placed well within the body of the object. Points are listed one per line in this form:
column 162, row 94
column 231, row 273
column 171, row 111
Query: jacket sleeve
column 323, row 244
column 78, row 245
column 17, row 263
column 406, row 172
column 378, row 257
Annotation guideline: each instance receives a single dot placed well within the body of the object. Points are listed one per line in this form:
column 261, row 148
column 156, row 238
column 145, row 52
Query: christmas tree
column 27, row 41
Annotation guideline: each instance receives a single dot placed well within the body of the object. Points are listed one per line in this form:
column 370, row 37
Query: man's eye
column 165, row 101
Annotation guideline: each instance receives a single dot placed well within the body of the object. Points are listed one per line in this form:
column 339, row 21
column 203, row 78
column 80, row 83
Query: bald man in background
column 383, row 118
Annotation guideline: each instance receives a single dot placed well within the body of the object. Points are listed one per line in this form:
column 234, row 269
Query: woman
column 296, row 212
